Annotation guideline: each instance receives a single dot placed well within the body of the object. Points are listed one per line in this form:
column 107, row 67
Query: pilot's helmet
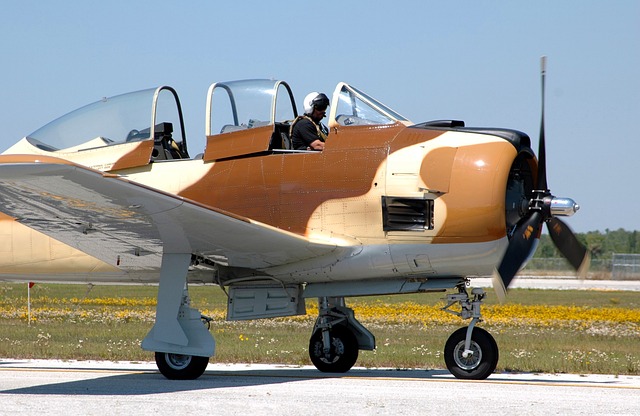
column 315, row 99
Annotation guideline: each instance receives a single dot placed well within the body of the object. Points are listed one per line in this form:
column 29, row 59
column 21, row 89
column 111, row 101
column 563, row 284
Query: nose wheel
column 475, row 363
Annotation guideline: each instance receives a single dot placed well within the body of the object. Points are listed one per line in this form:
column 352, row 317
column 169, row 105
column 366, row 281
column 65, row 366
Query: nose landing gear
column 470, row 353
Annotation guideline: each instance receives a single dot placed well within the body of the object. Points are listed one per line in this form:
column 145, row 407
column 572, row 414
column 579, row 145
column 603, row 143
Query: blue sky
column 472, row 60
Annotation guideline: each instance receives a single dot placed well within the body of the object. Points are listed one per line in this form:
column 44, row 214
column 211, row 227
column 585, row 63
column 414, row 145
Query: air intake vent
column 407, row 214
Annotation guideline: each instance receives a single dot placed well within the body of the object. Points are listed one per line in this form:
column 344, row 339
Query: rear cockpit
column 120, row 132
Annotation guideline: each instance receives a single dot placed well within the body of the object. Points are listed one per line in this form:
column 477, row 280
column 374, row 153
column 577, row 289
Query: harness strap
column 321, row 134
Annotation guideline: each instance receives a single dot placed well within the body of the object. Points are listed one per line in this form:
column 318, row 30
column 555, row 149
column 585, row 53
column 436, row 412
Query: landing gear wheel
column 476, row 366
column 181, row 367
column 342, row 355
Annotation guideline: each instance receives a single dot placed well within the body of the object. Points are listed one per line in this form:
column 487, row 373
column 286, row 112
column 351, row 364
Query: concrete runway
column 561, row 283
column 46, row 387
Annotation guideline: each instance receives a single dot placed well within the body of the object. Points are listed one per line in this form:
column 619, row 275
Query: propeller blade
column 517, row 252
column 542, row 154
column 569, row 246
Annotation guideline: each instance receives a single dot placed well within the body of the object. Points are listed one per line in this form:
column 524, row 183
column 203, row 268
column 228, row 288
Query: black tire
column 343, row 354
column 181, row 367
column 481, row 364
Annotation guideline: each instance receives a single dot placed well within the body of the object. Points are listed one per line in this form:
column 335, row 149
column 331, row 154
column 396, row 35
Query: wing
column 129, row 225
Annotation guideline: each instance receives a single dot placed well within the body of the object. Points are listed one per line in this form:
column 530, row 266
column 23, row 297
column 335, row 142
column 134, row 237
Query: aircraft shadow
column 147, row 382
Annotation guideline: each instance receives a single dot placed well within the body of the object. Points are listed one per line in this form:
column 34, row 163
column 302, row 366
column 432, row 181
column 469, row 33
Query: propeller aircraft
column 110, row 194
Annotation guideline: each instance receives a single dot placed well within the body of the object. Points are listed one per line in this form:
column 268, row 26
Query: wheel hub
column 178, row 361
column 467, row 359
column 334, row 353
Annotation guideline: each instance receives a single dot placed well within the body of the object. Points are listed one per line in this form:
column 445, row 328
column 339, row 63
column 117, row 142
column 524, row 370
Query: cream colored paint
column 170, row 176
column 100, row 158
column 28, row 252
column 398, row 176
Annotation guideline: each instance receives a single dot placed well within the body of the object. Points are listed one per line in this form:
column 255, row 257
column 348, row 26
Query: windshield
column 354, row 108
column 128, row 117
column 239, row 105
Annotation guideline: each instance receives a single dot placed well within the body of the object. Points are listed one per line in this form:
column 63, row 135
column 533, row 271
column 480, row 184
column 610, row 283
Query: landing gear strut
column 337, row 337
column 470, row 353
column 180, row 337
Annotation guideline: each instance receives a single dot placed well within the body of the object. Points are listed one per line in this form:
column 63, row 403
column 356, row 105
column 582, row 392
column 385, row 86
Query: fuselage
column 421, row 200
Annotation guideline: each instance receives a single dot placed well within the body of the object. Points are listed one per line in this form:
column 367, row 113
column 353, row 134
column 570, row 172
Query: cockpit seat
column 165, row 148
column 280, row 138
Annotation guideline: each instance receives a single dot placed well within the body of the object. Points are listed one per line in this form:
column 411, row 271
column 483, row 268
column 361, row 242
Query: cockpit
column 240, row 105
column 243, row 118
column 237, row 111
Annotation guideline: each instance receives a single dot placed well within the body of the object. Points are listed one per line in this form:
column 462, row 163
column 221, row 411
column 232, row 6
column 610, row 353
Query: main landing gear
column 470, row 353
column 180, row 337
column 181, row 367
column 337, row 337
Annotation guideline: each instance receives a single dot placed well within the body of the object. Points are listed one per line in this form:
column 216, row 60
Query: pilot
column 307, row 132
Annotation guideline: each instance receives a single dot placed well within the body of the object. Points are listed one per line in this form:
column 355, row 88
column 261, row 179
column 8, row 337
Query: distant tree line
column 601, row 245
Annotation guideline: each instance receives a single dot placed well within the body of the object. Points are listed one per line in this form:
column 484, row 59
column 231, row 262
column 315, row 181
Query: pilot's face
column 319, row 113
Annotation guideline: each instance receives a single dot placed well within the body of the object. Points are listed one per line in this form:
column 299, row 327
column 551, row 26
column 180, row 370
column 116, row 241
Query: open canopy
column 246, row 104
column 242, row 117
column 124, row 118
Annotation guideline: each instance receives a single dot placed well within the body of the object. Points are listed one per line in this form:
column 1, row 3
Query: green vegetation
column 545, row 331
column 601, row 245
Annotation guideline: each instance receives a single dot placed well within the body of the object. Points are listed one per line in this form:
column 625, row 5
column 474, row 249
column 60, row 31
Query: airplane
column 110, row 194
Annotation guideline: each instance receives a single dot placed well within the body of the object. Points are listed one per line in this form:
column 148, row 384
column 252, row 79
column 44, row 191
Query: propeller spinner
column 542, row 207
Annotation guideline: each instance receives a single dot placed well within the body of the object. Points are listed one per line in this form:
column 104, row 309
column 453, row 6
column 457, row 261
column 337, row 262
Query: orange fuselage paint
column 284, row 190
column 299, row 191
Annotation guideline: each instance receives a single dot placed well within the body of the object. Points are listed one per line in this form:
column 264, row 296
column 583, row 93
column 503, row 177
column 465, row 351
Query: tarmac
column 561, row 283
column 53, row 387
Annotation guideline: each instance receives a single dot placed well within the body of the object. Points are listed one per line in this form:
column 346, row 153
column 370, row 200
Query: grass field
column 536, row 331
